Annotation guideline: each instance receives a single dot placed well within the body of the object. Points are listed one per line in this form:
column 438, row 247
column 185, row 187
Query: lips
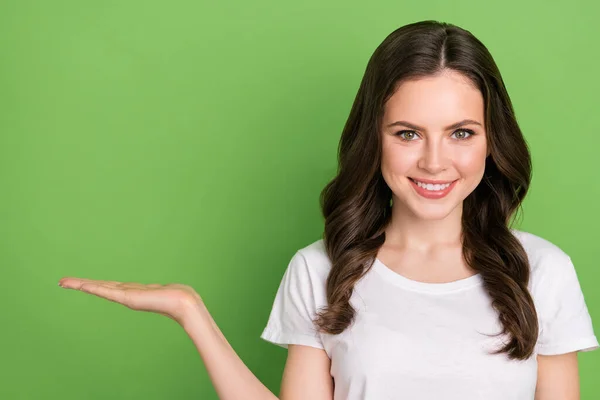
column 432, row 194
column 433, row 182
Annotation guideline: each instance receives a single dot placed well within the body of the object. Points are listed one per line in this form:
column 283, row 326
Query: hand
column 172, row 300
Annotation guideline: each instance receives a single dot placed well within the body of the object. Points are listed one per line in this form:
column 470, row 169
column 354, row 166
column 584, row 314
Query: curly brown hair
column 356, row 202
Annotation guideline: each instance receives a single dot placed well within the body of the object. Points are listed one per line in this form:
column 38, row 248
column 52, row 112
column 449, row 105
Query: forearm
column 230, row 377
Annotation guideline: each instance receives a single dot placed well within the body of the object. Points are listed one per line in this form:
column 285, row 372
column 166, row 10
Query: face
column 419, row 144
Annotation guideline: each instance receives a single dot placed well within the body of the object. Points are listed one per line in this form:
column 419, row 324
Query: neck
column 411, row 232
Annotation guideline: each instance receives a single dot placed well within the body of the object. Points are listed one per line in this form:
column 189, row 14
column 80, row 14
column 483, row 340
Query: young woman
column 420, row 288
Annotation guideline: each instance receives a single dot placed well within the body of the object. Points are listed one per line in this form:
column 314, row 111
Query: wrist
column 194, row 313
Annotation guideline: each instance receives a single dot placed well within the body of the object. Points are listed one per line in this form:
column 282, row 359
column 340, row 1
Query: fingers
column 75, row 283
column 170, row 300
column 110, row 293
column 154, row 285
column 126, row 293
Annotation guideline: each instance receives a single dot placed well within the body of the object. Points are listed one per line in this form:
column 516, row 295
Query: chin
column 432, row 216
column 433, row 212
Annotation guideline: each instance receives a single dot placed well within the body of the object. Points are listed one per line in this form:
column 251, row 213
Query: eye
column 460, row 134
column 464, row 132
column 409, row 137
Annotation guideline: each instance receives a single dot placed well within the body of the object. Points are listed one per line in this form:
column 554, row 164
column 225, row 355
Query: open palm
column 171, row 300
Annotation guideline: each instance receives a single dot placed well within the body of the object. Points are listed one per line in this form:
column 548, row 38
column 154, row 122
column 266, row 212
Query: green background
column 188, row 142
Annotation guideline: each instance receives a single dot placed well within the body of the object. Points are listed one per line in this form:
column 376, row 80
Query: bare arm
column 558, row 377
column 230, row 377
column 306, row 374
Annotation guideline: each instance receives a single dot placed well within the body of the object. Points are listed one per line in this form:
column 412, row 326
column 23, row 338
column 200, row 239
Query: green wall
column 188, row 142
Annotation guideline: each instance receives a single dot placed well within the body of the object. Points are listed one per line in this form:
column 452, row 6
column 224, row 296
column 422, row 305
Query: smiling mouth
column 433, row 190
column 432, row 183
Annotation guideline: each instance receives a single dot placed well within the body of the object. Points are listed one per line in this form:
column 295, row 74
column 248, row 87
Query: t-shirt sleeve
column 295, row 306
column 565, row 323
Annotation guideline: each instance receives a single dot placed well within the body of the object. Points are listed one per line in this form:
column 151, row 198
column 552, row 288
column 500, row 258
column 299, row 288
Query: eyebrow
column 420, row 128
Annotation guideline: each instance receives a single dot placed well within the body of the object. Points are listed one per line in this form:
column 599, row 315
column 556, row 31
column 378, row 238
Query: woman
column 419, row 289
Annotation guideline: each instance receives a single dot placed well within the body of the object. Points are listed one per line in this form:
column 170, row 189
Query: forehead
column 436, row 101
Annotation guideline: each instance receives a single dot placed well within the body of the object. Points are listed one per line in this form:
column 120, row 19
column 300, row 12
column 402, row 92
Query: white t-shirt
column 426, row 341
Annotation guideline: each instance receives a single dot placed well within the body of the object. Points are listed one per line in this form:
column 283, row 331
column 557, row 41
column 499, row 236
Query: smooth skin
column 423, row 232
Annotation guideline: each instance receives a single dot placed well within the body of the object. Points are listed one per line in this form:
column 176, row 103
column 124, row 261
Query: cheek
column 398, row 162
column 395, row 166
column 470, row 162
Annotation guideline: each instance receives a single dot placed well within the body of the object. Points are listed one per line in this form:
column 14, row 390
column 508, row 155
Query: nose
column 434, row 157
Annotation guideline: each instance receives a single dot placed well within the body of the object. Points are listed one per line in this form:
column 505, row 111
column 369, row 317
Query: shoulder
column 543, row 255
column 316, row 252
column 538, row 247
column 552, row 270
column 313, row 260
column 565, row 323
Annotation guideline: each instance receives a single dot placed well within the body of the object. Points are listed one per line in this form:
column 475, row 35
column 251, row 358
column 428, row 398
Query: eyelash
column 469, row 131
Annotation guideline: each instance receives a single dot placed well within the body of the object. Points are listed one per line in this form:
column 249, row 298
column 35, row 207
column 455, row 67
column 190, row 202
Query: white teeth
column 433, row 187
